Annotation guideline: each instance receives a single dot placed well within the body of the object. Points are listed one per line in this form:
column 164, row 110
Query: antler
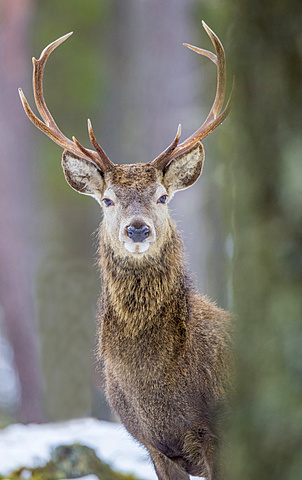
column 215, row 117
column 49, row 126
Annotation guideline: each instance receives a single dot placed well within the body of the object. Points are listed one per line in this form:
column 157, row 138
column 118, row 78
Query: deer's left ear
column 184, row 170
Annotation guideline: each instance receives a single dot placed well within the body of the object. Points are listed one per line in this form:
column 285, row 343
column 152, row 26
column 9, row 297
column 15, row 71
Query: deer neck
column 135, row 289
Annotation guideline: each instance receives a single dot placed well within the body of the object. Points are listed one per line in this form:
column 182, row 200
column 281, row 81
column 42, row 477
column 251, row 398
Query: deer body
column 165, row 356
column 165, row 348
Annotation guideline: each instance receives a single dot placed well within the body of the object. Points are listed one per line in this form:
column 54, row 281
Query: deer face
column 134, row 203
column 134, row 198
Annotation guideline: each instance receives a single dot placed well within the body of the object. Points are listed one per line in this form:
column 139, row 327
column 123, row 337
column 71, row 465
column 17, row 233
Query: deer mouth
column 137, row 247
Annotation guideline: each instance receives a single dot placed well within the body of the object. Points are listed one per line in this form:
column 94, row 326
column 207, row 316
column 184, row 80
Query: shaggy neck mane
column 134, row 289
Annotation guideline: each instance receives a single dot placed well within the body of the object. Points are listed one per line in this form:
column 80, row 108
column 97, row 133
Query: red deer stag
column 165, row 348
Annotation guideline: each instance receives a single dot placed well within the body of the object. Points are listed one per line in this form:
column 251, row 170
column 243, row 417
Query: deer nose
column 138, row 233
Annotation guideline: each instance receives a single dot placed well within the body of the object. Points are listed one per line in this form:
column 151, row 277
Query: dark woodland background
column 126, row 69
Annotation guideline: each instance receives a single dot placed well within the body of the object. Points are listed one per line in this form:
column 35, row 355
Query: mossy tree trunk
column 266, row 436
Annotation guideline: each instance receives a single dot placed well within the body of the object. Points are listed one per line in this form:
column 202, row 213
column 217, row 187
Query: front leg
column 165, row 468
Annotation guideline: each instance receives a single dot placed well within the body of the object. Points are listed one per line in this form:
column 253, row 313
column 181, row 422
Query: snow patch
column 31, row 445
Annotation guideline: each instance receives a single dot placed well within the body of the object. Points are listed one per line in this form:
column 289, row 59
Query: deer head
column 134, row 197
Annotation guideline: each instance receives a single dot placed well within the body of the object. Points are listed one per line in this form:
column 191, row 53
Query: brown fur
column 165, row 351
column 164, row 347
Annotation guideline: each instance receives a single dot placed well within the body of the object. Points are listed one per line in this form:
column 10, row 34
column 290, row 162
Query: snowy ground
column 31, row 445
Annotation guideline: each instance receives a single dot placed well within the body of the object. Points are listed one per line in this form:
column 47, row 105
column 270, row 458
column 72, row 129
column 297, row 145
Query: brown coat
column 166, row 354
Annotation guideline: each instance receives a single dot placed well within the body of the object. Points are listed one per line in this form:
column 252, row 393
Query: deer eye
column 162, row 199
column 108, row 202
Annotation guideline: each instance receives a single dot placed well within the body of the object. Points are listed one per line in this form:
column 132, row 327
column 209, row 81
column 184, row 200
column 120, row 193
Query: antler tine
column 215, row 117
column 202, row 51
column 221, row 75
column 38, row 72
column 50, row 127
column 98, row 147
column 160, row 161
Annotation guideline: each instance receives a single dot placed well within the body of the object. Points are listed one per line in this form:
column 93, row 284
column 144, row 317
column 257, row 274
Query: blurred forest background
column 126, row 69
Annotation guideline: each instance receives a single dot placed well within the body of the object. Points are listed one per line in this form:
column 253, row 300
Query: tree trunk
column 266, row 437
column 17, row 207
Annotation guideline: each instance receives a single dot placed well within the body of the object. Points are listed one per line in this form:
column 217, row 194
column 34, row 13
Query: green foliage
column 69, row 461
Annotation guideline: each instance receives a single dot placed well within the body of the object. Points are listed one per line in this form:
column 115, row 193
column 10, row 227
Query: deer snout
column 137, row 235
column 138, row 232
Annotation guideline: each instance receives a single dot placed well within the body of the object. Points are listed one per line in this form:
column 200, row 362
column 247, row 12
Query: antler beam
column 49, row 126
column 215, row 117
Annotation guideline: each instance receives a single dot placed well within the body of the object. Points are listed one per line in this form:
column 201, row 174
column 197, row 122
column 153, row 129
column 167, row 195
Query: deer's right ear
column 82, row 175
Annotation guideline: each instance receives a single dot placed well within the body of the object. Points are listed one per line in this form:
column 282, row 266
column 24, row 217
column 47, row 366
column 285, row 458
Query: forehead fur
column 140, row 175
